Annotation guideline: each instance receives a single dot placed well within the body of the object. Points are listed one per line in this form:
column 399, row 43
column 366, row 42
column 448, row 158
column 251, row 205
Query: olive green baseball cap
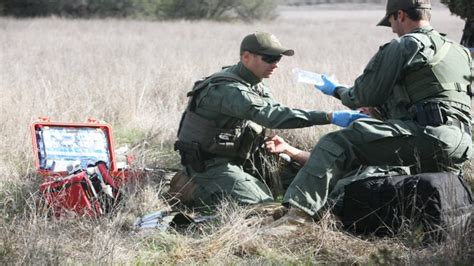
column 264, row 43
column 395, row 5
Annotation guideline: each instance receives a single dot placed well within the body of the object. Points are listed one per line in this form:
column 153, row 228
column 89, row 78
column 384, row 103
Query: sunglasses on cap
column 270, row 59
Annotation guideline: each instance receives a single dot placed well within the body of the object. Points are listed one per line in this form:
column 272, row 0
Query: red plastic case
column 57, row 145
column 77, row 161
column 70, row 194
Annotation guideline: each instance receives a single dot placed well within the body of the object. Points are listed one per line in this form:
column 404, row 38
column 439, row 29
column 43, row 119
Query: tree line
column 157, row 9
column 193, row 9
column 148, row 9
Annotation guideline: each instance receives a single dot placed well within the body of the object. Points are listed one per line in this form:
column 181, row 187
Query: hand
column 364, row 110
column 345, row 118
column 276, row 144
column 328, row 87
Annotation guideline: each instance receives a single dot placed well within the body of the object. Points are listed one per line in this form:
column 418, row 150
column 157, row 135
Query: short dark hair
column 416, row 14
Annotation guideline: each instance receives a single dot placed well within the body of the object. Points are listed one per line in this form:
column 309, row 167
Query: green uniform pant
column 223, row 178
column 377, row 143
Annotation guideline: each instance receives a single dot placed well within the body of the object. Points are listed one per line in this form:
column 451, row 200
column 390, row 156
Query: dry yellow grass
column 134, row 75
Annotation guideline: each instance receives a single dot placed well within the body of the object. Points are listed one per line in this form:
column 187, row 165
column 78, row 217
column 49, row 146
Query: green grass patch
column 129, row 136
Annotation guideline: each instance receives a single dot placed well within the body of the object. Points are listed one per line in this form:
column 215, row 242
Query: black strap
column 222, row 75
column 469, row 90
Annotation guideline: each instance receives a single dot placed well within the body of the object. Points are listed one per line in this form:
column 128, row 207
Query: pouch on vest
column 227, row 142
column 428, row 114
column 252, row 137
column 212, row 140
column 191, row 155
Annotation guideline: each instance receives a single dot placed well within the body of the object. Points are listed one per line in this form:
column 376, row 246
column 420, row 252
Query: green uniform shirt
column 380, row 82
column 228, row 103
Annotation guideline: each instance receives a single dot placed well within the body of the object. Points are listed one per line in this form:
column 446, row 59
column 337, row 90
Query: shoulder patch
column 253, row 98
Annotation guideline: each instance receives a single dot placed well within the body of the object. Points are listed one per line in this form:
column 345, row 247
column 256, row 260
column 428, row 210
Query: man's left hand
column 345, row 118
column 328, row 87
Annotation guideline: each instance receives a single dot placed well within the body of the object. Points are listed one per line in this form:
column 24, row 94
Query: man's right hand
column 276, row 144
column 328, row 87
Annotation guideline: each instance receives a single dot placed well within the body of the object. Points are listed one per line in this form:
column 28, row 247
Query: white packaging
column 308, row 77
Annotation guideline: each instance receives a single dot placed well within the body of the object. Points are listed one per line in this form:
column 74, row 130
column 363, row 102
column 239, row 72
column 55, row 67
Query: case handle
column 44, row 119
column 93, row 120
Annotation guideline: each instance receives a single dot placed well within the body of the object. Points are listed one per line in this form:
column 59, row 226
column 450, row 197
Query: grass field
column 134, row 75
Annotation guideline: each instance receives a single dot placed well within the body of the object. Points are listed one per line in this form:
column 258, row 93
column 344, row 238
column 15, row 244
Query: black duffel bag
column 440, row 204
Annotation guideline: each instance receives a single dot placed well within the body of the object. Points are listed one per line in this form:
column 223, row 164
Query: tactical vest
column 214, row 141
column 442, row 79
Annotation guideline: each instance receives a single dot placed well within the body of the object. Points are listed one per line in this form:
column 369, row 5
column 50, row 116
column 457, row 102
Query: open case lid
column 60, row 148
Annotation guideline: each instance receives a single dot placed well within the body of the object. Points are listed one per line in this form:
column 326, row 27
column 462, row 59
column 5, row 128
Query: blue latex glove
column 345, row 118
column 328, row 87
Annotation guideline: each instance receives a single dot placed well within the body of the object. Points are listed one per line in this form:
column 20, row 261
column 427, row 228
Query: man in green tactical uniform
column 224, row 123
column 417, row 85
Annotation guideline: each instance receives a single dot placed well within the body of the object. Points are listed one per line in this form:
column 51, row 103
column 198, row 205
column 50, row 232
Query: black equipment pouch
column 252, row 137
column 190, row 155
column 226, row 142
column 469, row 89
column 428, row 114
column 440, row 204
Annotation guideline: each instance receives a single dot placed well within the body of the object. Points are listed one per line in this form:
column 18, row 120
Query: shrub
column 253, row 10
column 464, row 9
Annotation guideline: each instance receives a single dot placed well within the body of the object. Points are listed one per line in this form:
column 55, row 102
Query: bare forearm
column 296, row 154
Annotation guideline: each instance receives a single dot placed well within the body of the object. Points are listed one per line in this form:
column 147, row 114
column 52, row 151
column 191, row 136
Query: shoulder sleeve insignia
column 254, row 99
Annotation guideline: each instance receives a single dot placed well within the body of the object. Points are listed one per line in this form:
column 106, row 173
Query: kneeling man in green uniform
column 418, row 85
column 224, row 123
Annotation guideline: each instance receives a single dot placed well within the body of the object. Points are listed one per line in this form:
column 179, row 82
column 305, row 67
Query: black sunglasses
column 270, row 59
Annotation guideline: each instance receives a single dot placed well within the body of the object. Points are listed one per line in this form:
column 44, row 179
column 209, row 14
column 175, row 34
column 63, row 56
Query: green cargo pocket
column 322, row 158
column 250, row 190
column 450, row 136
column 451, row 140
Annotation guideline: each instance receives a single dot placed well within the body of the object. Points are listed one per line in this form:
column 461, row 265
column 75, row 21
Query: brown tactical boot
column 269, row 211
column 290, row 222
column 181, row 188
column 294, row 216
